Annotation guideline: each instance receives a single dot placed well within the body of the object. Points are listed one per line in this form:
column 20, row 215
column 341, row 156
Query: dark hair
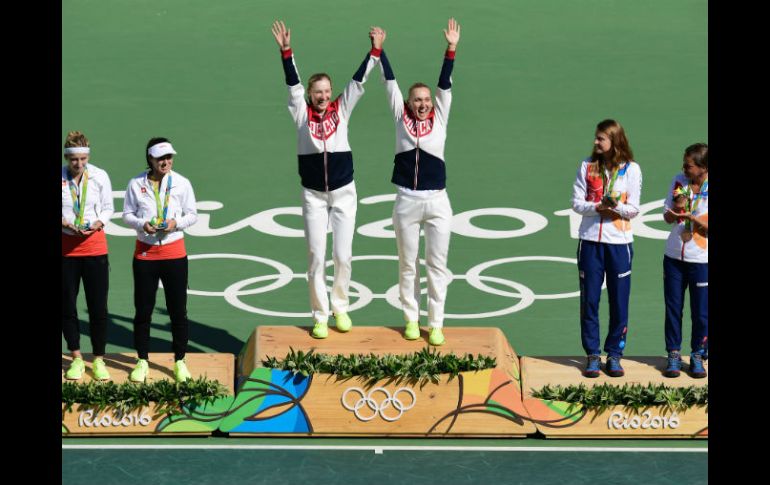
column 621, row 150
column 153, row 141
column 699, row 154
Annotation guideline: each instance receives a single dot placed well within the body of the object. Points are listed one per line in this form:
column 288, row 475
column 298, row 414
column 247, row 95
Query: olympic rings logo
column 366, row 400
column 284, row 275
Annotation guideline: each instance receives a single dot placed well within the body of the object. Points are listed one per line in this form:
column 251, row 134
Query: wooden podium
column 495, row 402
column 557, row 419
column 270, row 402
column 198, row 420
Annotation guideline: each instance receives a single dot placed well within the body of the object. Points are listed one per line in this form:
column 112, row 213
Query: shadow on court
column 216, row 339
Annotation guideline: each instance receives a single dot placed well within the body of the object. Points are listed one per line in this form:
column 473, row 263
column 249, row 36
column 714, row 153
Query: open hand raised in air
column 452, row 33
column 282, row 35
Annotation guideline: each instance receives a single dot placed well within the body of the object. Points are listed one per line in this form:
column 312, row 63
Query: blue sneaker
column 674, row 365
column 593, row 366
column 696, row 366
column 613, row 367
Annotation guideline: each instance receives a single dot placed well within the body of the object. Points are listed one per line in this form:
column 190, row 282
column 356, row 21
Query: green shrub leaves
column 129, row 396
column 635, row 396
column 423, row 366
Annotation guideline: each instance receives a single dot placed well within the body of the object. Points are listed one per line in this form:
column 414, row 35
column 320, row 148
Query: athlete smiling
column 419, row 174
column 326, row 172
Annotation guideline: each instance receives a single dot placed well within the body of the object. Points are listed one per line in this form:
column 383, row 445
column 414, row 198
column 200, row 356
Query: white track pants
column 319, row 211
column 435, row 213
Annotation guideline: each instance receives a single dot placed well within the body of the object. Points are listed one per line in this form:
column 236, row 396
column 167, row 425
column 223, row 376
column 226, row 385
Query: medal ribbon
column 78, row 204
column 693, row 200
column 164, row 209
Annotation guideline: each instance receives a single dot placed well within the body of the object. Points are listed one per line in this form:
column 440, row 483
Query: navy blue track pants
column 597, row 261
column 677, row 277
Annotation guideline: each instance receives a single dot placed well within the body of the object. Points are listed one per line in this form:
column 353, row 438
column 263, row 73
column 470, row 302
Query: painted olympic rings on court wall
column 284, row 275
column 375, row 407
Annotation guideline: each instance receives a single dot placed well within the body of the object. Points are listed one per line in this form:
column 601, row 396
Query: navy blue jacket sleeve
column 387, row 70
column 289, row 69
column 445, row 78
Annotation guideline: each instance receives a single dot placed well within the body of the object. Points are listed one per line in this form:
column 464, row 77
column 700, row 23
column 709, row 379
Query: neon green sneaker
column 436, row 337
column 320, row 330
column 100, row 369
column 412, row 331
column 139, row 374
column 76, row 369
column 181, row 373
column 343, row 322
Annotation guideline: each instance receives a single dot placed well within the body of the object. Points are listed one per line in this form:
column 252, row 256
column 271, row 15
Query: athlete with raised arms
column 326, row 172
column 419, row 173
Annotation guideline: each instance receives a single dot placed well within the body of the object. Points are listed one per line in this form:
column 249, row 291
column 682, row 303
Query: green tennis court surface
column 531, row 80
column 421, row 464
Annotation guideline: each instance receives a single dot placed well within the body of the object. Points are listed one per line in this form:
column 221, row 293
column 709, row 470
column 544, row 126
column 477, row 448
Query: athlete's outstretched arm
column 355, row 88
column 395, row 98
column 297, row 103
column 452, row 34
column 283, row 39
column 444, row 94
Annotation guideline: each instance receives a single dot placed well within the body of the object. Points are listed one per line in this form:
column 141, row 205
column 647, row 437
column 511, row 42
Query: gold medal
column 686, row 236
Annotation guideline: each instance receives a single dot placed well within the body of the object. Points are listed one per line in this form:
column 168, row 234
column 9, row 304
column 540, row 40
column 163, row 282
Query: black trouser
column 95, row 272
column 173, row 274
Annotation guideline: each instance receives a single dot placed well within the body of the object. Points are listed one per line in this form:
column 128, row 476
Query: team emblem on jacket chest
column 418, row 128
column 323, row 128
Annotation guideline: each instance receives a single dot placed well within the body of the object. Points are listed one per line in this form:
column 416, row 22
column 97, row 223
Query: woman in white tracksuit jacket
column 159, row 205
column 607, row 193
column 326, row 171
column 419, row 174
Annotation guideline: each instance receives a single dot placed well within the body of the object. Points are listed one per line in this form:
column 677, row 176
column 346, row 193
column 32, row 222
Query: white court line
column 379, row 449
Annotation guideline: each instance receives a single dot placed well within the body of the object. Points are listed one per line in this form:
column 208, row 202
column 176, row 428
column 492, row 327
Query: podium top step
column 275, row 341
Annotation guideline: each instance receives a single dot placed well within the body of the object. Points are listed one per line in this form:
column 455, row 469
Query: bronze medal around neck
column 686, row 236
